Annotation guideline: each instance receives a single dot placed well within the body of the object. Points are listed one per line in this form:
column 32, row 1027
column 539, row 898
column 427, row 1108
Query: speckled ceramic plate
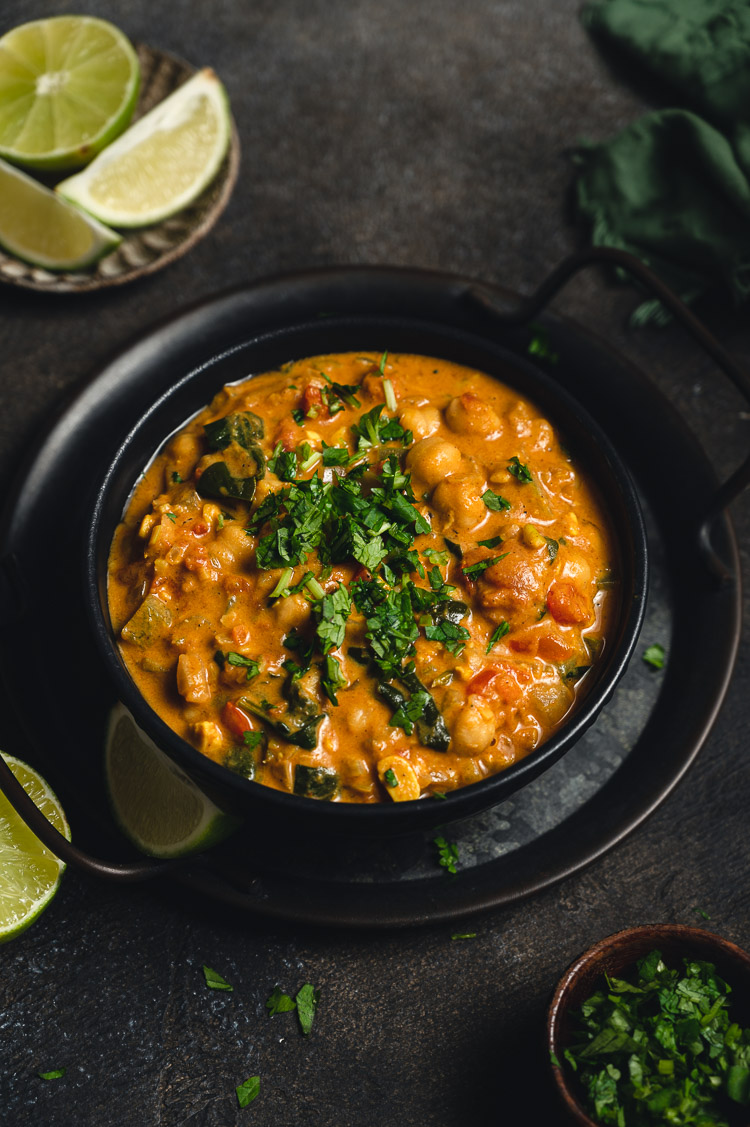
column 147, row 249
column 630, row 760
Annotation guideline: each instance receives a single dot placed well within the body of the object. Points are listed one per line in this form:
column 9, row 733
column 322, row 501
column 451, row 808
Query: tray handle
column 30, row 813
column 530, row 306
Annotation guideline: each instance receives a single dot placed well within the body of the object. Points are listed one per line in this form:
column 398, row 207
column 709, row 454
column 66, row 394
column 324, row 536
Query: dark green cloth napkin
column 674, row 187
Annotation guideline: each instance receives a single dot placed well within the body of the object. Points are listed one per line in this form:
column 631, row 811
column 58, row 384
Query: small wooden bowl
column 615, row 955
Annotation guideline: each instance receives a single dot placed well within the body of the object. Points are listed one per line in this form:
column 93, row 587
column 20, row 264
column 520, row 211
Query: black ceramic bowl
column 369, row 310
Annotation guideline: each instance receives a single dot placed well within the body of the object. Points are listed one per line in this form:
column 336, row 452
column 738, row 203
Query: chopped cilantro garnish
column 412, row 710
column 539, row 344
column 491, row 543
column 452, row 636
column 655, row 656
column 660, row 1047
column 464, row 935
column 252, row 738
column 214, row 980
column 521, row 472
column 331, row 613
column 172, row 517
column 478, row 569
column 389, row 778
column 335, row 455
column 307, row 1002
column 252, row 667
column 447, row 854
column 54, row 1074
column 176, row 479
column 494, row 502
column 279, row 1003
column 435, row 557
column 381, row 365
column 248, row 1091
column 498, row 633
column 298, row 415
column 333, row 678
column 552, row 548
column 703, row 915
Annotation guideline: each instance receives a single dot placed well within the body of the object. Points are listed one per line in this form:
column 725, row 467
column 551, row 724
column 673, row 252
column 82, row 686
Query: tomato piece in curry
column 363, row 578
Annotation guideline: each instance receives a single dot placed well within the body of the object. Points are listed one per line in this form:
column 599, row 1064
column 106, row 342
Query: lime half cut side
column 162, row 163
column 156, row 805
column 68, row 86
column 29, row 872
column 39, row 227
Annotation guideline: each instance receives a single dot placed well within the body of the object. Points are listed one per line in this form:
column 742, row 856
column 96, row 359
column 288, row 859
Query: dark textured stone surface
column 428, row 134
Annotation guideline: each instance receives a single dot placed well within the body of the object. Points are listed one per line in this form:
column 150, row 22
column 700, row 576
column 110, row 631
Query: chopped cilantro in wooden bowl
column 652, row 1026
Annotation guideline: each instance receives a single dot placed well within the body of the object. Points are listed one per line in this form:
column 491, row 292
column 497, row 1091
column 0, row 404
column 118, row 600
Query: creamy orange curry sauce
column 363, row 578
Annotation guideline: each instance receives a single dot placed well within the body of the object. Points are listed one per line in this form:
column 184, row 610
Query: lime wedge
column 156, row 805
column 39, row 227
column 162, row 163
column 29, row 873
column 68, row 86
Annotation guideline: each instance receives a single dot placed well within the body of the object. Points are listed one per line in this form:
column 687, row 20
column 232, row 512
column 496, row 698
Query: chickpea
column 294, row 610
column 473, row 728
column 422, row 421
column 433, row 458
column 458, row 499
column 517, row 581
column 469, row 414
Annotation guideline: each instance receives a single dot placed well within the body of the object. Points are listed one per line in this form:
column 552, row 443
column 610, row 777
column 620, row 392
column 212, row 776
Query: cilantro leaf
column 248, row 1091
column 248, row 663
column 54, row 1074
column 539, row 344
column 655, row 656
column 214, row 980
column 332, row 612
column 307, row 1003
column 279, row 1003
column 452, row 636
column 477, row 569
column 408, row 713
column 447, row 854
column 498, row 633
column 494, row 502
column 333, row 678
column 390, row 778
column 521, row 472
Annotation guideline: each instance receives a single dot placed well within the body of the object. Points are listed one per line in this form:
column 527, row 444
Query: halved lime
column 156, row 805
column 162, row 163
column 40, row 227
column 29, row 872
column 68, row 86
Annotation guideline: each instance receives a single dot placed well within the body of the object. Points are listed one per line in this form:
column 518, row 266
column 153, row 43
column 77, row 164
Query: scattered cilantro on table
column 54, row 1074
column 214, row 981
column 248, row 1091
column 654, row 656
column 307, row 1003
column 447, row 854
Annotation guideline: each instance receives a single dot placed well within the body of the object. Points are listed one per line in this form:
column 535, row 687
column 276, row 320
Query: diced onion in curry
column 364, row 578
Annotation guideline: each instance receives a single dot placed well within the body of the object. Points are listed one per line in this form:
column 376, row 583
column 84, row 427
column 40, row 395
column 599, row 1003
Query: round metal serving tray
column 582, row 806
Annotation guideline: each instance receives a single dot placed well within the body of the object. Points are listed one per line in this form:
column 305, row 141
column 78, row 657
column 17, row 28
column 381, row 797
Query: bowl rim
column 462, row 801
column 594, row 960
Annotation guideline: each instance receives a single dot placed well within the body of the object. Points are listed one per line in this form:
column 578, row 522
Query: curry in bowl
column 364, row 578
